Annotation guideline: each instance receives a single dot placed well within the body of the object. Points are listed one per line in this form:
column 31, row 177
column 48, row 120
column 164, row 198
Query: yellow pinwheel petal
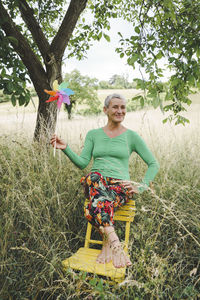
column 55, row 85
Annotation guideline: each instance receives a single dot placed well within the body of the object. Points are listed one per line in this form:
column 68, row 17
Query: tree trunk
column 46, row 118
column 47, row 112
column 69, row 108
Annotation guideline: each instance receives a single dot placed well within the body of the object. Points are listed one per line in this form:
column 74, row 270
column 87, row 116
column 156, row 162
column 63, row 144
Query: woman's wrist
column 143, row 187
column 64, row 148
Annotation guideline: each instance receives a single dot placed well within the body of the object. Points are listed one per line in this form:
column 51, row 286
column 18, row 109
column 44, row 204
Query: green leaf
column 93, row 282
column 3, row 72
column 198, row 52
column 106, row 37
column 165, row 120
column 13, row 100
column 137, row 98
column 27, row 99
column 121, row 55
column 140, row 84
column 100, row 35
column 133, row 59
column 168, row 96
column 99, row 286
column 142, row 101
column 159, row 55
column 10, row 86
column 181, row 120
column 13, row 40
column 156, row 102
column 21, row 100
column 137, row 30
column 84, row 275
column 175, row 81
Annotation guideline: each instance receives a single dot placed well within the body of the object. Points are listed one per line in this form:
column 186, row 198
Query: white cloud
column 103, row 62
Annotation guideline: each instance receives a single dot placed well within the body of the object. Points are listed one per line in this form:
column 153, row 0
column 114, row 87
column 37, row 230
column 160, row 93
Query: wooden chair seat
column 85, row 258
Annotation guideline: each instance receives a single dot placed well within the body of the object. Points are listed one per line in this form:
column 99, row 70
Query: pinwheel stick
column 60, row 94
column 54, row 149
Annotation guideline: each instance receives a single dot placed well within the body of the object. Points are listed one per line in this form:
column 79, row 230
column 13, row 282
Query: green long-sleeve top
column 111, row 155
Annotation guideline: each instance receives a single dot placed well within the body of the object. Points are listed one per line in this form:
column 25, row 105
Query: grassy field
column 42, row 221
column 20, row 121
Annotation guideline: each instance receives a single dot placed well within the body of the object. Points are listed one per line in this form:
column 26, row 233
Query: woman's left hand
column 131, row 188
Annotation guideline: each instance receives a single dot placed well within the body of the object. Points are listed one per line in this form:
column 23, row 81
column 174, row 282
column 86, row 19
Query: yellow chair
column 85, row 258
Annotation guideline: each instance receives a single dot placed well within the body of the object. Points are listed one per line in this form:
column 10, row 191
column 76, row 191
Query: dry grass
column 20, row 121
column 42, row 219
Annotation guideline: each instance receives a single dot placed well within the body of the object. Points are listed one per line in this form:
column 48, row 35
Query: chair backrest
column 125, row 213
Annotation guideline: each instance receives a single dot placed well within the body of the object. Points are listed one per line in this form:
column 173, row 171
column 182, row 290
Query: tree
column 164, row 29
column 26, row 40
column 34, row 35
column 119, row 81
column 85, row 93
column 103, row 84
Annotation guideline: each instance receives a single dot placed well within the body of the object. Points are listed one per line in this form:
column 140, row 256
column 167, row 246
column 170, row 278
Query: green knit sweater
column 111, row 155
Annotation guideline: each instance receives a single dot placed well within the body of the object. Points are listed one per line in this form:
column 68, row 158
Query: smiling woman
column 115, row 109
column 108, row 185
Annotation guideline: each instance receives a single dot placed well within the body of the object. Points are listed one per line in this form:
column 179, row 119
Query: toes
column 127, row 261
column 108, row 259
column 118, row 266
column 100, row 261
column 120, row 259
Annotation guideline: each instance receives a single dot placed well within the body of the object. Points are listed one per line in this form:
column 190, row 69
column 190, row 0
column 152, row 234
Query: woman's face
column 116, row 110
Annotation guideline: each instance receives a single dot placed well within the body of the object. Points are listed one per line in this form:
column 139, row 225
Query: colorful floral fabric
column 105, row 195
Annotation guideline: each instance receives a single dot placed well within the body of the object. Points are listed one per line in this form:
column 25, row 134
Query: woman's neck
column 111, row 126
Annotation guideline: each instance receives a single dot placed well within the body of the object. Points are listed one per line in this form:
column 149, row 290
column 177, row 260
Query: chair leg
column 127, row 233
column 88, row 235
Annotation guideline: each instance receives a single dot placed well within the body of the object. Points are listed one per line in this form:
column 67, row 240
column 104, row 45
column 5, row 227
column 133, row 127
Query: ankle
column 116, row 245
column 114, row 242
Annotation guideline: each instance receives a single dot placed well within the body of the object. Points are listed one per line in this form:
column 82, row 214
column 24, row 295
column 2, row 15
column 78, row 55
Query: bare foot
column 106, row 254
column 119, row 257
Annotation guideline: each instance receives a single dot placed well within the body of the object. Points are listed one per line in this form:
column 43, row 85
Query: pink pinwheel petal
column 66, row 99
column 60, row 101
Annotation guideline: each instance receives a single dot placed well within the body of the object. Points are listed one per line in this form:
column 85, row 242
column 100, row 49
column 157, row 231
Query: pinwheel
column 60, row 94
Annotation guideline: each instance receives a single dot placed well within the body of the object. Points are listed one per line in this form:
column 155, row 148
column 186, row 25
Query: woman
column 108, row 185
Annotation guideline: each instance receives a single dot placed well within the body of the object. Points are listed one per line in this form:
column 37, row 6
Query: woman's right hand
column 58, row 143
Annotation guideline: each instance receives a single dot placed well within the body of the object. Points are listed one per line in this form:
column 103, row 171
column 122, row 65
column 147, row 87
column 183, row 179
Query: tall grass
column 42, row 219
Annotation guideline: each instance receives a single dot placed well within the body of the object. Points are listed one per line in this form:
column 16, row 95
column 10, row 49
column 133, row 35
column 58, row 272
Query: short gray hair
column 110, row 97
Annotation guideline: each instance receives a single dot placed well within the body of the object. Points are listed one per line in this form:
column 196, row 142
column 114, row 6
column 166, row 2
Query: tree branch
column 34, row 27
column 64, row 33
column 22, row 47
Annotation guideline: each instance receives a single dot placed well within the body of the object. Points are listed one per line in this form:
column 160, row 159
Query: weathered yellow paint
column 85, row 258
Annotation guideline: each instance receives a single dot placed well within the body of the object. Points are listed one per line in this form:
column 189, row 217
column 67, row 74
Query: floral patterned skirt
column 105, row 195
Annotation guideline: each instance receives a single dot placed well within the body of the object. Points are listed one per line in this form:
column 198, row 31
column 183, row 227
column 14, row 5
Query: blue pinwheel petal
column 68, row 92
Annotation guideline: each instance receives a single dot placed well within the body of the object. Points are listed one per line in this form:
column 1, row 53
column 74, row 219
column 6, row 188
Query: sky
column 102, row 61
